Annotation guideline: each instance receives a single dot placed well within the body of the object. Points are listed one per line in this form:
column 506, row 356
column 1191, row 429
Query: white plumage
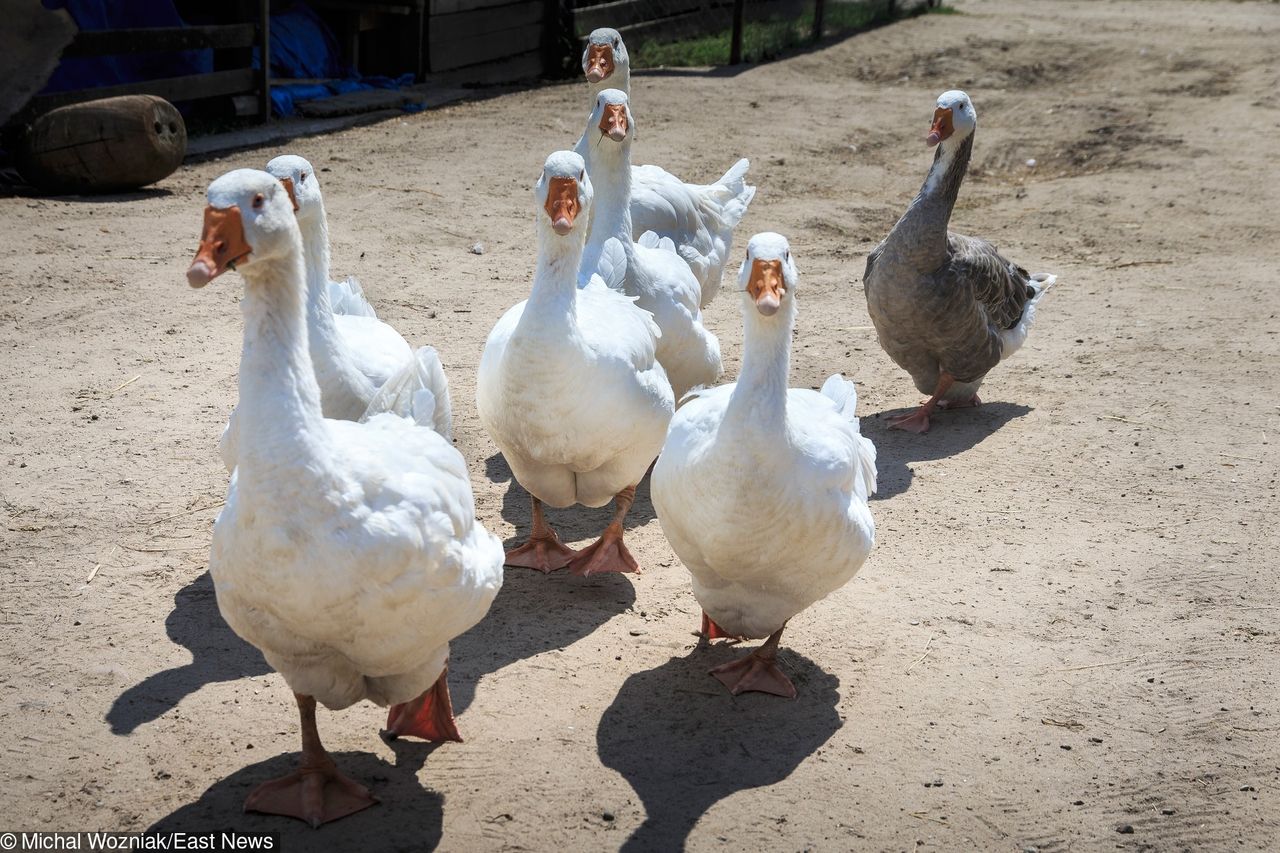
column 362, row 364
column 698, row 218
column 569, row 386
column 349, row 553
column 762, row 490
column 649, row 270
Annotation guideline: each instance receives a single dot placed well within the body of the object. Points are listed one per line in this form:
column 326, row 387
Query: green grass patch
column 769, row 39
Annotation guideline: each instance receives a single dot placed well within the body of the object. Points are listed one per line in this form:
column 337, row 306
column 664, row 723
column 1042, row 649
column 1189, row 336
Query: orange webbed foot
column 317, row 793
column 606, row 554
column 917, row 421
column 755, row 672
column 545, row 554
column 430, row 716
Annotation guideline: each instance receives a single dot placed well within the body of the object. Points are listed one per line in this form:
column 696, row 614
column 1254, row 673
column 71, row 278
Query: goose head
column 249, row 220
column 768, row 275
column 604, row 56
column 299, row 179
column 953, row 118
column 612, row 117
column 563, row 194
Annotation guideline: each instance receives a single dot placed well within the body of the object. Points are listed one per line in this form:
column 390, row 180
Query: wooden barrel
column 108, row 145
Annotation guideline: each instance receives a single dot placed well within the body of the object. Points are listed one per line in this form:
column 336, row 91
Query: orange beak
column 766, row 286
column 599, row 62
column 288, row 186
column 222, row 245
column 562, row 204
column 941, row 127
column 613, row 123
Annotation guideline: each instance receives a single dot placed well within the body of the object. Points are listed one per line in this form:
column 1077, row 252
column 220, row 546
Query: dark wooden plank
column 480, row 21
column 623, row 13
column 680, row 26
column 449, row 7
column 113, row 42
column 478, row 48
column 187, row 88
column 761, row 10
column 377, row 8
column 524, row 66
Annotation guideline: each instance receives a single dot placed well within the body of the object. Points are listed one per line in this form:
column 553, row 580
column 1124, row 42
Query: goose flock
column 349, row 551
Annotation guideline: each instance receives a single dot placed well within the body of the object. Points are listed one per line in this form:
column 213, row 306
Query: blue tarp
column 89, row 72
column 301, row 47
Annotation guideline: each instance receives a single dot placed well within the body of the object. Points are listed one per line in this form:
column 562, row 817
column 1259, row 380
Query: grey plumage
column 944, row 302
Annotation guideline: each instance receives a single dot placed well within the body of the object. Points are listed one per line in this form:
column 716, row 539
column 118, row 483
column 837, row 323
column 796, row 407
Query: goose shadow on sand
column 409, row 817
column 535, row 613
column 684, row 743
column 951, row 432
column 217, row 655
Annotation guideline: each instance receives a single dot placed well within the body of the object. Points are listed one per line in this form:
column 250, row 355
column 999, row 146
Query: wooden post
column 819, row 6
column 735, row 41
column 264, row 56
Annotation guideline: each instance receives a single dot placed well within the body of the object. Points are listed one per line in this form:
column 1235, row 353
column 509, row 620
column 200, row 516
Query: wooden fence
column 639, row 20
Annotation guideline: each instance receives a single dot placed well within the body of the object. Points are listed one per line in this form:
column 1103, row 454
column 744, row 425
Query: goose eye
column 582, row 175
column 302, row 178
column 258, row 201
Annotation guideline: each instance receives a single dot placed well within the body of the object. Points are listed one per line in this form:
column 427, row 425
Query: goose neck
column 553, row 299
column 349, row 390
column 759, row 399
column 279, row 409
column 620, row 79
column 922, row 231
column 609, row 164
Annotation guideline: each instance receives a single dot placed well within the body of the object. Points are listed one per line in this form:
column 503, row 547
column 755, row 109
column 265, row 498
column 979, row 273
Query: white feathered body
column 651, row 271
column 699, row 219
column 347, row 297
column 352, row 577
column 573, row 395
column 349, row 553
column 362, row 365
column 375, row 348
column 768, row 514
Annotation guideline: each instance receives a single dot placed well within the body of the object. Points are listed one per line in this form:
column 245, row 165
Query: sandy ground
column 1069, row 621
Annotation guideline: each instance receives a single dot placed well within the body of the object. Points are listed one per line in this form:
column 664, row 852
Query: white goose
column 347, row 552
column 762, row 490
column 649, row 271
column 570, row 387
column 698, row 218
column 363, row 365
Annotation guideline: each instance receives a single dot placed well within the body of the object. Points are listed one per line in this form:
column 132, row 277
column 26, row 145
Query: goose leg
column 316, row 792
column 757, row 671
column 543, row 550
column 430, row 716
column 918, row 421
column 608, row 553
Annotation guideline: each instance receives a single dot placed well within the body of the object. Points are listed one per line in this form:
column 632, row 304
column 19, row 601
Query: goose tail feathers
column 1013, row 339
column 418, row 391
column 844, row 394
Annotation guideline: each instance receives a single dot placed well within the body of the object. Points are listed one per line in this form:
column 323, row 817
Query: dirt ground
column 1069, row 624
